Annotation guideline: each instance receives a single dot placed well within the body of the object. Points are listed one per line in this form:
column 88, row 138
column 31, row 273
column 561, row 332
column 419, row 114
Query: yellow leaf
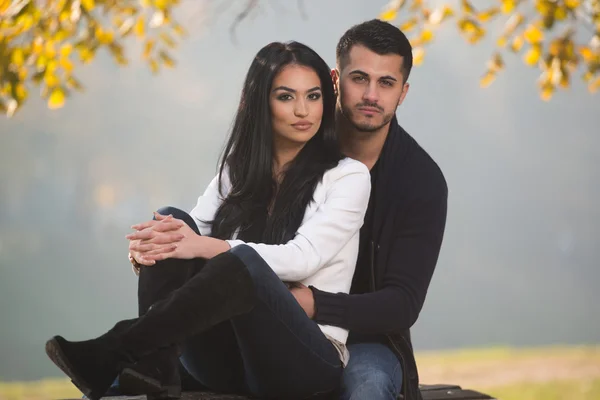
column 513, row 22
column 467, row 7
column 17, row 57
column 179, row 30
column 66, row 49
column 586, row 53
column 572, row 3
column 168, row 40
column 49, row 49
column 488, row 14
column 496, row 63
column 66, row 65
column 149, row 45
column 440, row 14
column 154, row 66
column 139, row 27
column 564, row 81
column 61, row 35
column 41, row 62
column 508, row 6
column 389, row 15
column 547, row 90
column 86, row 55
column 38, row 45
column 88, row 4
column 56, row 99
column 104, row 37
column 517, row 44
column 426, row 36
column 502, row 41
column 473, row 39
column 487, row 79
column 409, row 25
column 532, row 57
column 418, row 55
column 51, row 79
column 533, row 34
column 166, row 59
column 416, row 4
column 594, row 85
column 560, row 13
column 74, row 83
column 161, row 4
column 21, row 92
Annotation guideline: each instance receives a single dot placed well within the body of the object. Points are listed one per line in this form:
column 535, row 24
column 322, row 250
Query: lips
column 369, row 109
column 302, row 125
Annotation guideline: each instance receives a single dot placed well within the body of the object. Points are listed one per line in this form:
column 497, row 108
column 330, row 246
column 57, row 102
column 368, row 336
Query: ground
column 555, row 373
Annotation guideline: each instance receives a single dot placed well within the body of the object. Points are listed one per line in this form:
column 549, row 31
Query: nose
column 301, row 108
column 371, row 94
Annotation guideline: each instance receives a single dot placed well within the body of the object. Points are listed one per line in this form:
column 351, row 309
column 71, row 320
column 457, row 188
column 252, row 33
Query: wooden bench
column 429, row 392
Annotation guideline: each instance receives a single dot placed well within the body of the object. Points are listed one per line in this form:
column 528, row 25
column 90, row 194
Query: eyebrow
column 294, row 91
column 362, row 73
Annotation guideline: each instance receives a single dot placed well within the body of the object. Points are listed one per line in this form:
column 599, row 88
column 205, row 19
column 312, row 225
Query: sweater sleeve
column 326, row 232
column 208, row 203
column 397, row 304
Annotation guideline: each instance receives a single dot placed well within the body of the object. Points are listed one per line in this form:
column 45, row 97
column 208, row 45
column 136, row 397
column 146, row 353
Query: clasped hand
column 162, row 238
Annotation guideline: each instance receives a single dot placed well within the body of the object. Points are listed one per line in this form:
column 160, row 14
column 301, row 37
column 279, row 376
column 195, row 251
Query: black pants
column 275, row 350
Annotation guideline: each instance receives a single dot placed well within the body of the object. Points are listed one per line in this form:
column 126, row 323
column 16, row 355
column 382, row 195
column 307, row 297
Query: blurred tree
column 556, row 36
column 41, row 40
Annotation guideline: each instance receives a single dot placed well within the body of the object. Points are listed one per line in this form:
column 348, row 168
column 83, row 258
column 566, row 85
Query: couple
column 307, row 259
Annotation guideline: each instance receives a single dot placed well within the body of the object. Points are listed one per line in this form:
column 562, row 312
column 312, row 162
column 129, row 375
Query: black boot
column 222, row 290
column 93, row 364
column 156, row 375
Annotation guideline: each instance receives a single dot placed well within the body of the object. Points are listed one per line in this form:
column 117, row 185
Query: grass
column 556, row 390
column 548, row 373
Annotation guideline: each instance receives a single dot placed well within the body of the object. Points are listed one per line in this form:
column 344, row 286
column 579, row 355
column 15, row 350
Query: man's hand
column 304, row 297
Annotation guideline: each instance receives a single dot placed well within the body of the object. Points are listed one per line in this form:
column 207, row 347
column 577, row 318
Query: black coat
column 408, row 216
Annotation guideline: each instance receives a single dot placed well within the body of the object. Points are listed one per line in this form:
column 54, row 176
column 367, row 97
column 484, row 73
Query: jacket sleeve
column 322, row 235
column 397, row 304
column 208, row 203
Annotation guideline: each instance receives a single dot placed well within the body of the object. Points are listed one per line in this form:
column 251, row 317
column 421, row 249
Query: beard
column 365, row 125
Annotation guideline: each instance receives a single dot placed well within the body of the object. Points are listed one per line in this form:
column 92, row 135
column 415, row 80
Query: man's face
column 370, row 88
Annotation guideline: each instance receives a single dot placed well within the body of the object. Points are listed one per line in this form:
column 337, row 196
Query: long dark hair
column 248, row 155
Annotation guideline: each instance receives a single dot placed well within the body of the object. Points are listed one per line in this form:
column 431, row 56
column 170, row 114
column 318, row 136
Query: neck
column 284, row 154
column 362, row 146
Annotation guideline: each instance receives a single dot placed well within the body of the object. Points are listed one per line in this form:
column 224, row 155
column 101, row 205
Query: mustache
column 374, row 105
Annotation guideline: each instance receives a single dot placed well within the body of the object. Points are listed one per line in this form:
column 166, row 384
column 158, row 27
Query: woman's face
column 296, row 104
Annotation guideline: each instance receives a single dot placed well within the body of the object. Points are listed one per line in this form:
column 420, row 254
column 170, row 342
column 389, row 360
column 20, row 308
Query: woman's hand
column 157, row 236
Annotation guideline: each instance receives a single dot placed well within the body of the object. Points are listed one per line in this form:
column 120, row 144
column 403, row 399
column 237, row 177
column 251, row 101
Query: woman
column 285, row 207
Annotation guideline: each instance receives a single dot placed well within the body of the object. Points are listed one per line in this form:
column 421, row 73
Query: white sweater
column 324, row 251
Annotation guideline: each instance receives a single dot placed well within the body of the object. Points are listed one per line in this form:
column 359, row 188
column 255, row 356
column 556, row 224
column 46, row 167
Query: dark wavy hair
column 248, row 155
column 380, row 37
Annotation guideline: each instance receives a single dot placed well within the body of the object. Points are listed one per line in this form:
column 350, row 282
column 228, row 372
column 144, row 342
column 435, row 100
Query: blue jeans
column 373, row 372
column 275, row 350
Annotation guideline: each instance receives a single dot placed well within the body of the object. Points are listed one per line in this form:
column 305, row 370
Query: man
column 405, row 222
column 403, row 229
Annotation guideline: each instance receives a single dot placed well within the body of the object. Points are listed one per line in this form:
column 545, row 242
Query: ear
column 335, row 77
column 404, row 93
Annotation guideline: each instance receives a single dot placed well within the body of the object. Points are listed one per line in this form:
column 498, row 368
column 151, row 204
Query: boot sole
column 58, row 357
column 134, row 383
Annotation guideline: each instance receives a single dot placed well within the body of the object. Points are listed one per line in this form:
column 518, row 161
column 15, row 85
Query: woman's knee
column 179, row 214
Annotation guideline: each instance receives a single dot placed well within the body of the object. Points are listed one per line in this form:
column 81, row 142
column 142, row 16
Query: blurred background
column 514, row 306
